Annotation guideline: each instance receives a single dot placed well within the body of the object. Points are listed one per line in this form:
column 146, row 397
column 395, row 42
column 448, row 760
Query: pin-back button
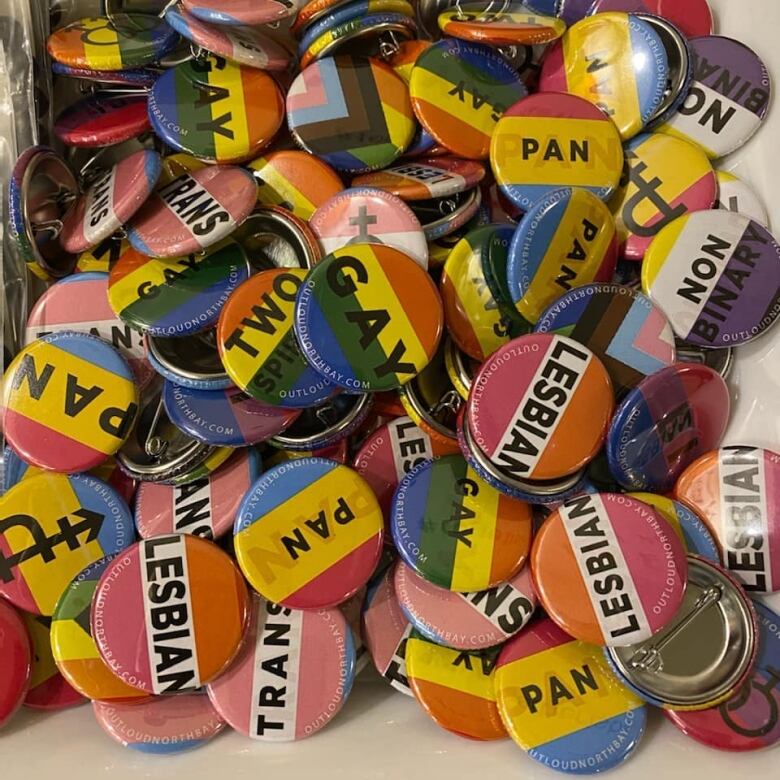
column 457, row 531
column 100, row 257
column 716, row 275
column 455, row 687
column 160, row 725
column 311, row 11
column 295, row 180
column 748, row 720
column 324, row 561
column 461, row 369
column 351, row 610
column 110, row 201
column 443, row 216
column 178, row 574
column 518, row 430
column 735, row 194
column 733, row 490
column 193, row 212
column 175, row 165
column 402, row 61
column 247, row 46
column 664, row 424
column 704, row 655
column 192, row 361
column 121, row 41
column 69, row 402
column 71, row 521
column 134, row 78
column 365, row 215
column 368, row 318
column 372, row 97
column 717, row 116
column 565, row 240
column 206, row 507
column 16, row 653
column 570, row 570
column 216, row 458
column 694, row 18
column 552, row 140
column 241, row 13
column 386, row 631
column 720, row 360
column 309, row 688
column 103, row 120
column 511, row 24
column 459, row 91
column 623, row 328
column 244, row 111
column 628, row 84
column 73, row 648
column 466, row 621
column 561, row 703
column 177, row 296
column 257, row 342
column 664, row 178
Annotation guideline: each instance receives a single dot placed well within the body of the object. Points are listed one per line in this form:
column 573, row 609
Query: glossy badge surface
column 368, row 318
column 103, row 120
column 292, row 676
column 187, row 581
column 664, row 424
column 561, row 703
column 69, row 402
column 735, row 194
column 17, row 661
column 241, row 12
column 693, row 17
column 309, row 533
column 511, row 24
column 552, row 140
column 716, row 275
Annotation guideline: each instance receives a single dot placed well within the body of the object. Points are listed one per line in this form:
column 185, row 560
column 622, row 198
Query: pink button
column 17, row 661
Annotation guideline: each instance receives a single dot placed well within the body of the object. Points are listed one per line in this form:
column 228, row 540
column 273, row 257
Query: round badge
column 717, row 115
column 688, row 526
column 292, row 676
column 295, row 180
column 437, row 177
column 53, row 526
column 733, row 490
column 141, row 78
column 513, row 24
column 694, row 17
column 309, row 533
column 176, row 582
column 241, row 116
column 748, row 721
column 365, row 215
column 17, row 661
column 665, row 178
column 245, row 47
column 540, row 406
column 664, row 424
column 217, row 457
column 466, row 621
column 257, row 342
column 386, row 631
column 561, row 703
column 103, row 120
column 734, row 194
column 178, row 296
column 459, row 91
column 206, row 507
column 623, row 328
column 73, row 648
column 351, row 609
column 402, row 61
column 175, row 165
column 80, row 303
column 374, row 123
column 48, row 690
column 630, row 83
column 121, row 41
column 565, row 240
column 551, row 140
column 368, row 318
column 160, row 725
column 241, row 13
column 224, row 418
column 579, row 548
column 69, row 402
column 716, row 275
column 193, row 212
column 457, row 531
column 455, row 687
column 192, row 361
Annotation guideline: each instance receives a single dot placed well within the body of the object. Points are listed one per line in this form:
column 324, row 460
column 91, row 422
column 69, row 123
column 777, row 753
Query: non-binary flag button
column 309, row 533
column 735, row 194
column 591, row 536
column 178, row 581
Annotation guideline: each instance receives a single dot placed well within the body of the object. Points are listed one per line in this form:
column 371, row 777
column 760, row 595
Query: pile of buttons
column 396, row 331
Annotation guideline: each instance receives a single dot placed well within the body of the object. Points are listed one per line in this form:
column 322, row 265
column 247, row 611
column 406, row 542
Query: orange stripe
column 513, row 531
column 464, row 132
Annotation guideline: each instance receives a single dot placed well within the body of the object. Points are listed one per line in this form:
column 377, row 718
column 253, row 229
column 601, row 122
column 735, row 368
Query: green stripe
column 78, row 598
column 291, row 370
column 193, row 110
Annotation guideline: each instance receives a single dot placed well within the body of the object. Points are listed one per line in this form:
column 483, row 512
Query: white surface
column 382, row 734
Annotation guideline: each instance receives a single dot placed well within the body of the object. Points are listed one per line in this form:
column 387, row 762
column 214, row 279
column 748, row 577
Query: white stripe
column 410, row 445
column 100, row 211
column 429, row 176
column 413, row 243
column 185, row 496
column 502, row 614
